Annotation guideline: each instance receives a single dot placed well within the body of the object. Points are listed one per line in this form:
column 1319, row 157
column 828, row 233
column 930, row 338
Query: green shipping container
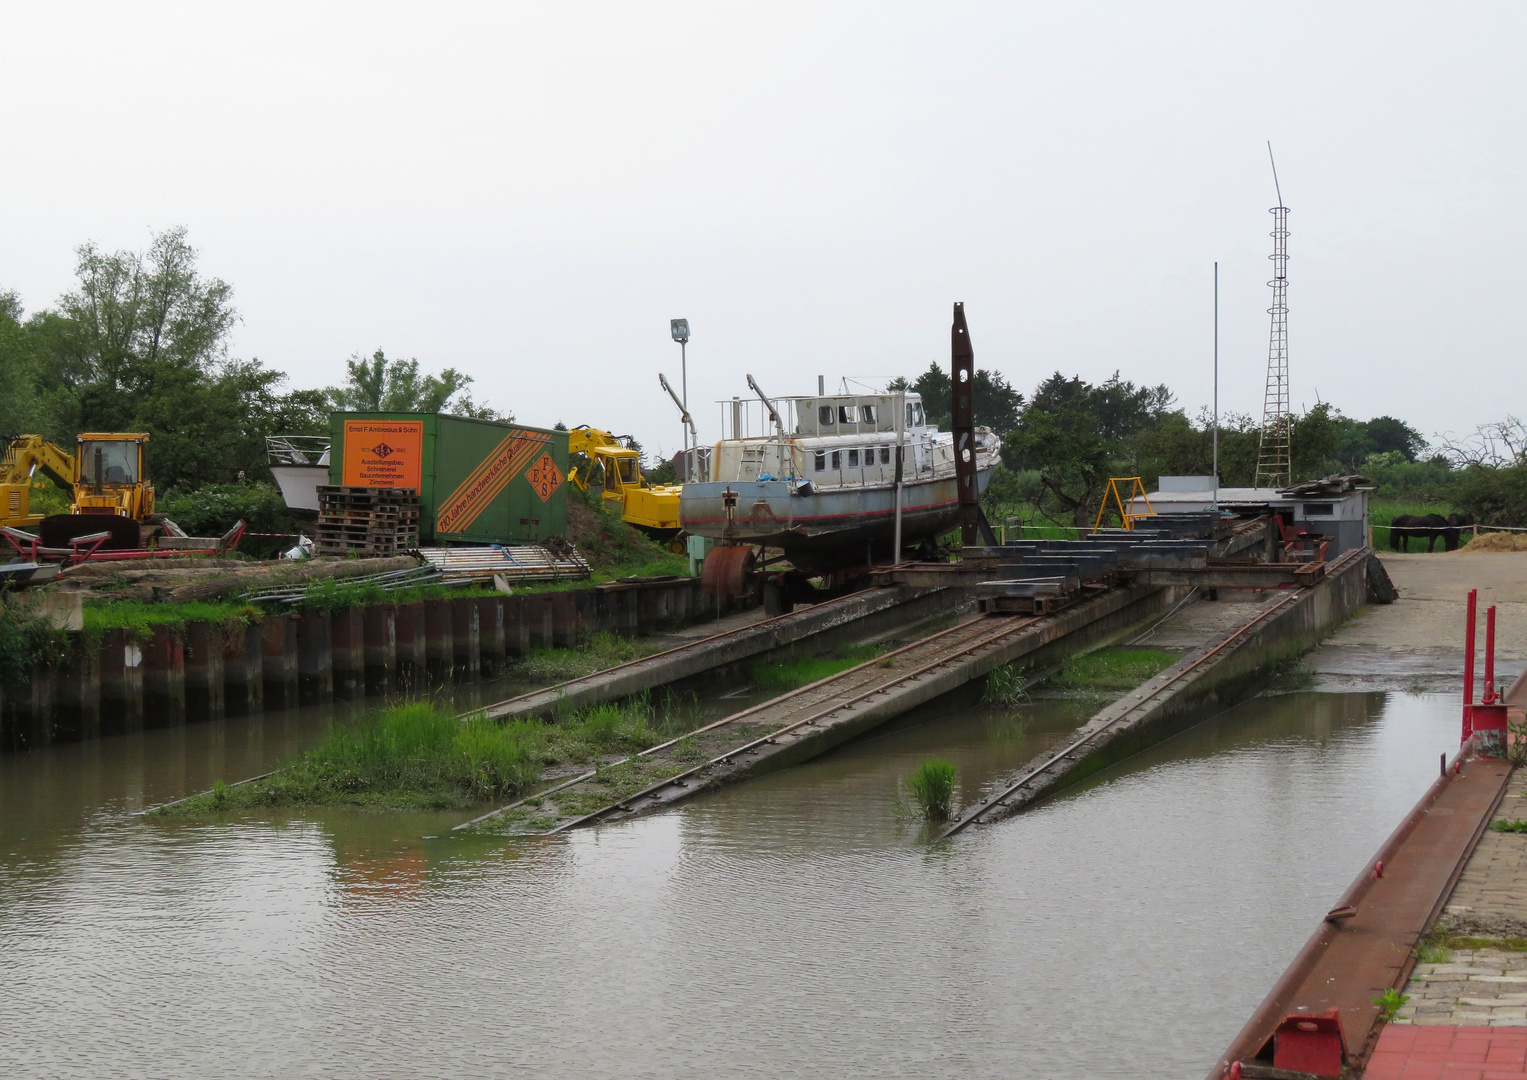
column 479, row 481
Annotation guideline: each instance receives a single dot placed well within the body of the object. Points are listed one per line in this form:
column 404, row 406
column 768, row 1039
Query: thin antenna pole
column 1216, row 387
column 1274, row 165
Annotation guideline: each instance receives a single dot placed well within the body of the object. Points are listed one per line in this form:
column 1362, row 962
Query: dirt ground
column 1413, row 644
column 1419, row 638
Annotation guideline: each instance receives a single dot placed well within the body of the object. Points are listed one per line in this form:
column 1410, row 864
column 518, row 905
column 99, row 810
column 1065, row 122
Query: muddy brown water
column 798, row 925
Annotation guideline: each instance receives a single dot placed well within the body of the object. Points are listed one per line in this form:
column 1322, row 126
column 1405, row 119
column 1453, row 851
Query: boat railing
column 297, row 449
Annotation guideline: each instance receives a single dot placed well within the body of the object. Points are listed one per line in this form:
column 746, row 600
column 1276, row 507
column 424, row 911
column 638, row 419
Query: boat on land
column 818, row 480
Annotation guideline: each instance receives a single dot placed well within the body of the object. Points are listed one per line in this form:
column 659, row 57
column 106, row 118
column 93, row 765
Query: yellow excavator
column 105, row 477
column 653, row 510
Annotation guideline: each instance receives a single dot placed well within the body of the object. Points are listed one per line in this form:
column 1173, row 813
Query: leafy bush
column 1494, row 495
column 27, row 641
column 212, row 510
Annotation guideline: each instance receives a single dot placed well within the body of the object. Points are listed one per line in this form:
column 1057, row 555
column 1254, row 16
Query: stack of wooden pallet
column 367, row 521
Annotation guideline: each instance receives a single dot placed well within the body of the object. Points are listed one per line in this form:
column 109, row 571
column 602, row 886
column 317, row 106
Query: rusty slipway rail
column 1366, row 945
column 787, row 719
column 717, row 650
column 1118, row 716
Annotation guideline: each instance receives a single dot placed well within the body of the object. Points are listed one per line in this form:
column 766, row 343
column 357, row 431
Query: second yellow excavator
column 653, row 510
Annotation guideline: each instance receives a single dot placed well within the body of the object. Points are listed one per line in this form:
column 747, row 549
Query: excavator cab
column 111, row 493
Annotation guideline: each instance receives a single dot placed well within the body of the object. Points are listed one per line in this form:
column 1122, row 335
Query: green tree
column 21, row 410
column 378, row 384
column 141, row 344
column 998, row 405
column 1076, row 434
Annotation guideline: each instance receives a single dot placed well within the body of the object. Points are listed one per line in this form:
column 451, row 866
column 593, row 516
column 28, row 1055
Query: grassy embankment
column 422, row 757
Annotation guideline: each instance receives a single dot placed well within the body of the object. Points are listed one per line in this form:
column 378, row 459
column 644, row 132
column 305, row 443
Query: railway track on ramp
column 774, row 734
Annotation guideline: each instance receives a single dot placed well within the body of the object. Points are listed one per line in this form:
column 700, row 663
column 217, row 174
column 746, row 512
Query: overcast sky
column 529, row 192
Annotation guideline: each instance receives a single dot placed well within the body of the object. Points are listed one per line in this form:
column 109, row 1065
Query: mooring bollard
column 204, row 670
column 278, row 662
column 347, row 652
column 164, row 678
column 315, row 662
column 380, row 623
column 119, row 659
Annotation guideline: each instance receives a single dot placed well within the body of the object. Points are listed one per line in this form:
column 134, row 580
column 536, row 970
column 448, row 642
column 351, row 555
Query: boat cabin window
column 835, row 462
column 867, row 414
column 885, row 455
column 821, row 460
column 845, row 414
column 853, row 458
column 118, row 462
column 824, row 415
column 914, row 414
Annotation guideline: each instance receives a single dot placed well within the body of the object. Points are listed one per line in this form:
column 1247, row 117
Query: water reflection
column 794, row 925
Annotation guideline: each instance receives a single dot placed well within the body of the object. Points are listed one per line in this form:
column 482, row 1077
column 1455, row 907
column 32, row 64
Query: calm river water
column 798, row 925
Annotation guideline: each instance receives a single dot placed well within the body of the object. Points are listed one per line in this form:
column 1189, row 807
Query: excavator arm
column 25, row 456
column 28, row 454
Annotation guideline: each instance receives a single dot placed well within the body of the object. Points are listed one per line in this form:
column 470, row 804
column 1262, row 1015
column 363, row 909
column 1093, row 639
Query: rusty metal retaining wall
column 120, row 682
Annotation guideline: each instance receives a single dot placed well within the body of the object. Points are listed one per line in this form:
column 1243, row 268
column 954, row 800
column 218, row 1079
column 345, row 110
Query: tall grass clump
column 415, row 756
column 1007, row 685
column 932, row 788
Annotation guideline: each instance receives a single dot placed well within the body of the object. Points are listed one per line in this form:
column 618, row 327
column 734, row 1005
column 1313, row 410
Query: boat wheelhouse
column 816, row 476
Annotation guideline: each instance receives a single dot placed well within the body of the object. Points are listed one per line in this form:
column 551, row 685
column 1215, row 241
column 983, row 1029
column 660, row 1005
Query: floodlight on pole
column 679, row 328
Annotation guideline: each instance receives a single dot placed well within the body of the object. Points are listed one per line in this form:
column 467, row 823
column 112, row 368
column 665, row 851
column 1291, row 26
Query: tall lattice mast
column 1274, row 456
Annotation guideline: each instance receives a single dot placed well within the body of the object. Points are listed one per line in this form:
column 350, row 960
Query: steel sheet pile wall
column 120, row 682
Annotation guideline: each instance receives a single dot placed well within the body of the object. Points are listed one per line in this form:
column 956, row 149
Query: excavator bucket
column 58, row 530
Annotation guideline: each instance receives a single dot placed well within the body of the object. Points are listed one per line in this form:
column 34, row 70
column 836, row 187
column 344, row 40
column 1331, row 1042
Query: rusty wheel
column 726, row 572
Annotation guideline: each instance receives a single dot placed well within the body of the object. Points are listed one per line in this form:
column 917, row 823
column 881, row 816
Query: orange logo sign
column 383, row 453
column 544, row 477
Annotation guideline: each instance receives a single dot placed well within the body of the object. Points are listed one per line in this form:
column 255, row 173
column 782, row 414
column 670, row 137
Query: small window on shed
column 1318, row 509
column 824, row 415
column 821, row 460
column 867, row 414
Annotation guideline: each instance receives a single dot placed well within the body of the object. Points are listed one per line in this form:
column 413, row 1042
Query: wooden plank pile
column 367, row 521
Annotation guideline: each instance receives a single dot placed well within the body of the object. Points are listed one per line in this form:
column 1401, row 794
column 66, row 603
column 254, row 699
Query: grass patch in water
column 932, row 788
column 1111, row 669
column 789, row 674
column 411, row 757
